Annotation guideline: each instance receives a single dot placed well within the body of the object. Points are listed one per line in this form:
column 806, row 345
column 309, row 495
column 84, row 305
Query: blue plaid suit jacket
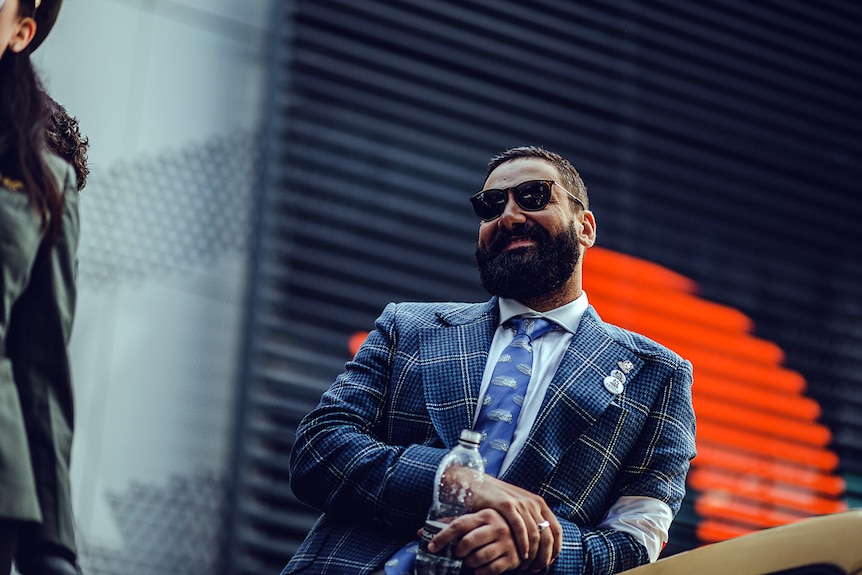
column 366, row 455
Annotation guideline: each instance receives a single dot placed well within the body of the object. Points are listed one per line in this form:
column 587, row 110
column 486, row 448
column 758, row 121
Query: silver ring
column 543, row 525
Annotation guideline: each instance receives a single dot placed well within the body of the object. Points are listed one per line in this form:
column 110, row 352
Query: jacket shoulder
column 637, row 343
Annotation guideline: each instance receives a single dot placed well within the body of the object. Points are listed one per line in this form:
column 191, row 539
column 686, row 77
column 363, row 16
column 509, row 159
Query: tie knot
column 532, row 327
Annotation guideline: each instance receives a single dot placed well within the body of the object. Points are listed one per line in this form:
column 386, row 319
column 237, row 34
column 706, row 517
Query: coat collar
column 471, row 313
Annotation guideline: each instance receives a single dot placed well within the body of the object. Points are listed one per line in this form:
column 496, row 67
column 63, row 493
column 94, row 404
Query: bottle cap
column 471, row 436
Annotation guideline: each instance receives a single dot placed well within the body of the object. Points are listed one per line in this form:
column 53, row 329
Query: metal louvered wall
column 718, row 138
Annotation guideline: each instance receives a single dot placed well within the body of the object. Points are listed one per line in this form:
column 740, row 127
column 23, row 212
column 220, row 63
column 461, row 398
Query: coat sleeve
column 340, row 463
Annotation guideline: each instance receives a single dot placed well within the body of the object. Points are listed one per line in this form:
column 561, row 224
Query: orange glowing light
column 763, row 458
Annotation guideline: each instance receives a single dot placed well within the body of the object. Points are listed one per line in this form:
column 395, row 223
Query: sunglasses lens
column 532, row 196
column 489, row 204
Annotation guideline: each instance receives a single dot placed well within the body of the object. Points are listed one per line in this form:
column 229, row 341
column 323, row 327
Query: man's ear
column 23, row 35
column 587, row 235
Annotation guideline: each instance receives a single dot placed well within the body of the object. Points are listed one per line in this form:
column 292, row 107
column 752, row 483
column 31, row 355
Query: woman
column 38, row 241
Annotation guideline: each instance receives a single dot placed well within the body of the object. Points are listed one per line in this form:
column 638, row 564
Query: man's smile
column 519, row 242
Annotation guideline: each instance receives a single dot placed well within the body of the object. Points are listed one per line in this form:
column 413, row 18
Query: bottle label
column 431, row 529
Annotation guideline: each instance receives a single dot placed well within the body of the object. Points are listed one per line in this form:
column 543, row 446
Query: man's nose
column 512, row 212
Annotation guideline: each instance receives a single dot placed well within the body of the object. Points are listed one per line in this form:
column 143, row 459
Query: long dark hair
column 24, row 114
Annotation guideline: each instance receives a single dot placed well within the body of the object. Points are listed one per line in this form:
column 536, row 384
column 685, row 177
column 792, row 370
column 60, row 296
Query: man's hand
column 523, row 511
column 486, row 544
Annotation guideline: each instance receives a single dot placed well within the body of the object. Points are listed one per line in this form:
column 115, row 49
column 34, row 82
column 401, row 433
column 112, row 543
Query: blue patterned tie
column 499, row 414
column 506, row 391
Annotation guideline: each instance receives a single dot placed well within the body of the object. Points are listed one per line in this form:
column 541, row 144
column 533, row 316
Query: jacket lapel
column 575, row 398
column 453, row 357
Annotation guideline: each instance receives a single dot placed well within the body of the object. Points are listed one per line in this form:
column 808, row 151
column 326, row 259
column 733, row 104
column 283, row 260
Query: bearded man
column 587, row 469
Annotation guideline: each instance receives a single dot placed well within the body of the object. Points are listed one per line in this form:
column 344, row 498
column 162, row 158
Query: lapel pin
column 613, row 385
column 626, row 365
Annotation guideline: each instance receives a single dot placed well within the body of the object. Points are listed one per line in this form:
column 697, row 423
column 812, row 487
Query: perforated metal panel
column 717, row 138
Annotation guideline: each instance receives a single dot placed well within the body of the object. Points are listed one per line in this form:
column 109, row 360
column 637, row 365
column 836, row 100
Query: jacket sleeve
column 340, row 463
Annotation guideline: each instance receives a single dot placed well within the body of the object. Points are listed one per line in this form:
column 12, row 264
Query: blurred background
column 268, row 174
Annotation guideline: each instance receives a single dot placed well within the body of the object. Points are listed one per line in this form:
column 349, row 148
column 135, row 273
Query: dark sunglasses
column 532, row 196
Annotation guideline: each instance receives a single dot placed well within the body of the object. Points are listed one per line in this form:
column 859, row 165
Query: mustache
column 504, row 235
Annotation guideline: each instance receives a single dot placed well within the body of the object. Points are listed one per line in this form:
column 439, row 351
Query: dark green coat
column 38, row 302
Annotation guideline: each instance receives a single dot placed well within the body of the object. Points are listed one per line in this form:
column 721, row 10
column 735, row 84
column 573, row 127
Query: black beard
column 529, row 272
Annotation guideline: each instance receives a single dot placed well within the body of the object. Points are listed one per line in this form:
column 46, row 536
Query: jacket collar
column 471, row 313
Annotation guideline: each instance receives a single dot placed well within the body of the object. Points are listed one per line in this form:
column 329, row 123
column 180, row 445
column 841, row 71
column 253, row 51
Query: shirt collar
column 568, row 316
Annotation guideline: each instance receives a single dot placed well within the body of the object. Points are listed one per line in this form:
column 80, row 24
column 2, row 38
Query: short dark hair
column 571, row 178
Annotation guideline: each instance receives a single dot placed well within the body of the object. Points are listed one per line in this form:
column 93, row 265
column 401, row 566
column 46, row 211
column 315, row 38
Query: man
column 596, row 461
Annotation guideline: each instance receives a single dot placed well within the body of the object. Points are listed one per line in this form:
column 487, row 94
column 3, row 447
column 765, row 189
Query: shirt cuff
column 646, row 519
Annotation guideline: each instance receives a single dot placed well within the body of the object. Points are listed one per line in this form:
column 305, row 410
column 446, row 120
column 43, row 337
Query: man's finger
column 454, row 531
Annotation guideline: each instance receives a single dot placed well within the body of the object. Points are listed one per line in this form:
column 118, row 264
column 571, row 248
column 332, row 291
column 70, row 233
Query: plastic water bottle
column 457, row 474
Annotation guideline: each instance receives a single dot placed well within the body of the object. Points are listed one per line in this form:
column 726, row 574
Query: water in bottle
column 459, row 471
